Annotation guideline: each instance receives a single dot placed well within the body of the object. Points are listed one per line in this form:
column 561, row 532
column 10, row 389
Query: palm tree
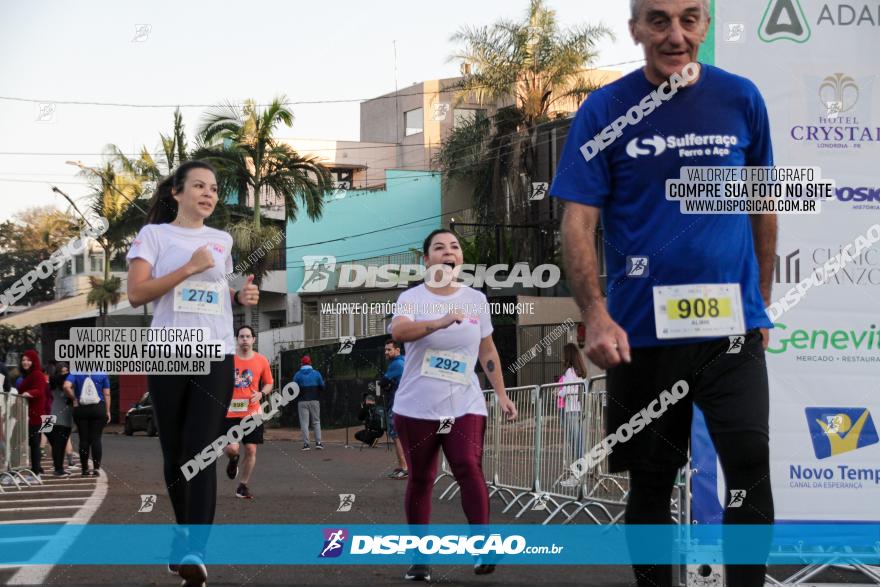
column 152, row 168
column 113, row 197
column 240, row 144
column 533, row 65
column 531, row 61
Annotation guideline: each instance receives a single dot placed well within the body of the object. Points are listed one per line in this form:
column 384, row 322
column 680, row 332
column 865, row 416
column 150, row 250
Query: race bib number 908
column 688, row 311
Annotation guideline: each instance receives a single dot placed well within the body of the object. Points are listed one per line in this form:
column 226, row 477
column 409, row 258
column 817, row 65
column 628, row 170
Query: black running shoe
column 306, row 446
column 319, row 445
column 232, row 467
column 418, row 573
column 483, row 569
column 192, row 570
column 243, row 492
column 61, row 473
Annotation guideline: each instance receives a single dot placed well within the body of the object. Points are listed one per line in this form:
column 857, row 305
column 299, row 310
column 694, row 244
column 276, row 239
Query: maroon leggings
column 463, row 447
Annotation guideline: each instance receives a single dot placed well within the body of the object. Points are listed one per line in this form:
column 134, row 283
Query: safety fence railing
column 527, row 462
column 14, row 455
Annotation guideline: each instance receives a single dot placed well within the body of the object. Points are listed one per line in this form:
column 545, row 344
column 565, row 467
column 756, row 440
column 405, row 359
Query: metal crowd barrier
column 526, row 463
column 14, row 449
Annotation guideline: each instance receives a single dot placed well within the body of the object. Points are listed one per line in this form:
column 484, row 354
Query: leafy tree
column 28, row 239
column 240, row 143
column 530, row 67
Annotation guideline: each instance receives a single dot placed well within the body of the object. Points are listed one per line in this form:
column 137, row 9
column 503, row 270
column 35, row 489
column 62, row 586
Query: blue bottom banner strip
column 280, row 544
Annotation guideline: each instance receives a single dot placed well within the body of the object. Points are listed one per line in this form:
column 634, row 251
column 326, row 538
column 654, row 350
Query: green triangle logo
column 784, row 20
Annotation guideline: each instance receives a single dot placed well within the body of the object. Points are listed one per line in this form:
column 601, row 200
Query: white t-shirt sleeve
column 145, row 246
column 404, row 306
column 485, row 318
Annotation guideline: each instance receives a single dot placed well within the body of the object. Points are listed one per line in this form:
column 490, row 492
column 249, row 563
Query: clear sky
column 205, row 53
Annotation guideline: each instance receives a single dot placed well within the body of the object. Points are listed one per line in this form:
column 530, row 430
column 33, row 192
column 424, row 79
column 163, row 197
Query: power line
column 287, row 103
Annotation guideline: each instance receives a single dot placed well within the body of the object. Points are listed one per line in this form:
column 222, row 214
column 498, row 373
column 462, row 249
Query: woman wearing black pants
column 90, row 394
column 180, row 265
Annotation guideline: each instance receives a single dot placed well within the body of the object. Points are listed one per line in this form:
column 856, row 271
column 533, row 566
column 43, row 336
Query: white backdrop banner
column 816, row 64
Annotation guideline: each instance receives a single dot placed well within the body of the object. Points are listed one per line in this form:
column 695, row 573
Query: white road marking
column 37, row 508
column 37, row 574
column 42, row 499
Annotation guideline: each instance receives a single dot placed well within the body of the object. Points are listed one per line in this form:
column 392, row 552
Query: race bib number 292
column 448, row 366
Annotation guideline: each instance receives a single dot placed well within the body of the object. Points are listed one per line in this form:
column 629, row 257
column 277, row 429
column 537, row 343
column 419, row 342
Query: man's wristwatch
column 235, row 299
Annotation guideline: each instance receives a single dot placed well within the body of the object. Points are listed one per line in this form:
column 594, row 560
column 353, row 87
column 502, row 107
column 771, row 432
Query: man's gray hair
column 636, row 7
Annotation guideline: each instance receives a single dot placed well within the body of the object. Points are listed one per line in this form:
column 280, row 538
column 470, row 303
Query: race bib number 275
column 200, row 297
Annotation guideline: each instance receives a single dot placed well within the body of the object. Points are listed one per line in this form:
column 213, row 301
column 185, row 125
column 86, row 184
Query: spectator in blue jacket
column 311, row 384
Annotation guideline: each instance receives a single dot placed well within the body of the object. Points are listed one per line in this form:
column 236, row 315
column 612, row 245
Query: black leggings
column 58, row 439
column 90, row 421
column 189, row 412
column 34, row 444
column 745, row 459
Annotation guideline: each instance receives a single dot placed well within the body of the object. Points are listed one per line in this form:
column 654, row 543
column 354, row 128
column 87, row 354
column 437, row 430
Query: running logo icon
column 737, row 497
column 539, row 190
column 48, row 422
column 838, row 430
column 735, row 32
column 636, row 266
column 346, row 501
column 541, row 501
column 334, row 541
column 445, row 425
column 736, row 344
column 147, row 503
column 346, row 345
column 318, row 270
column 784, row 20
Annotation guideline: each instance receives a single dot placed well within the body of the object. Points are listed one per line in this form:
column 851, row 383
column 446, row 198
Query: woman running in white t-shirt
column 180, row 265
column 446, row 330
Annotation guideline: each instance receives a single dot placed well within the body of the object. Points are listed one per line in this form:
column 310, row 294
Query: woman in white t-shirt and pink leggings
column 446, row 329
column 180, row 265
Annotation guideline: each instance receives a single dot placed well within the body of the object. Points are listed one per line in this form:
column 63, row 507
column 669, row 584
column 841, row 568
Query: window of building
column 414, row 121
column 463, row 116
column 276, row 323
column 96, row 264
column 373, row 325
column 329, row 326
column 80, row 264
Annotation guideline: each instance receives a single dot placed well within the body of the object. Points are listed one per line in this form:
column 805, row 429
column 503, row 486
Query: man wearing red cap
column 311, row 384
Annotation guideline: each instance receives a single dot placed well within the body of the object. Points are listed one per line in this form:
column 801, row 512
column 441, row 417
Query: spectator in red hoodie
column 34, row 386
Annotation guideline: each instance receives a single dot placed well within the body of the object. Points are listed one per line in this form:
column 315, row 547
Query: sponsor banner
column 281, row 544
column 824, row 353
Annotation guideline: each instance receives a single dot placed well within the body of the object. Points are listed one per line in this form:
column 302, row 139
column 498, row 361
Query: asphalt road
column 290, row 487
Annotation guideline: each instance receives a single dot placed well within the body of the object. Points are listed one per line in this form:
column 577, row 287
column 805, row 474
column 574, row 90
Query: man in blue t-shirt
column 664, row 268
column 389, row 383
